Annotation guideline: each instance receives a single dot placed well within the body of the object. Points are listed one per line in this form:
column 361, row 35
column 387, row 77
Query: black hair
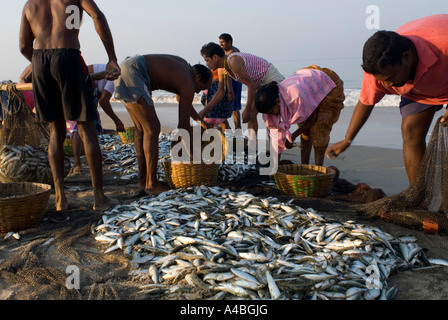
column 205, row 74
column 226, row 37
column 382, row 49
column 266, row 97
column 211, row 49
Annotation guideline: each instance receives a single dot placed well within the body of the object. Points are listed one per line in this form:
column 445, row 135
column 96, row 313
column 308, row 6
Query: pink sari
column 299, row 94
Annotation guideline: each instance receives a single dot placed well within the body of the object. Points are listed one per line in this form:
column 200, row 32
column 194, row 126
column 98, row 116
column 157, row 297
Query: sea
column 351, row 98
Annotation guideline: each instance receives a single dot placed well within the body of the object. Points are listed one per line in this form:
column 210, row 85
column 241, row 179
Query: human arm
column 187, row 111
column 229, row 86
column 444, row 119
column 197, row 117
column 26, row 37
column 103, row 31
column 217, row 97
column 26, row 75
column 104, row 102
column 359, row 117
column 304, row 127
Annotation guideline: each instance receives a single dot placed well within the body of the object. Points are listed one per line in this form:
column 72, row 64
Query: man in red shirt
column 410, row 62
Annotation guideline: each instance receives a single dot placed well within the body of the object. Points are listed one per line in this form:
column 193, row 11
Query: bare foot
column 105, row 204
column 62, row 205
column 157, row 188
column 141, row 185
column 77, row 169
column 61, row 202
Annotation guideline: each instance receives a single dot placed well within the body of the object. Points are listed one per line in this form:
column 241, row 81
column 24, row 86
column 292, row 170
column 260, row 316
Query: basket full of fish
column 26, row 164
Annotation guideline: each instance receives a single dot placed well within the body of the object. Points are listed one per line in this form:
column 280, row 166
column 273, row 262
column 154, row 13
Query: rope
column 13, row 93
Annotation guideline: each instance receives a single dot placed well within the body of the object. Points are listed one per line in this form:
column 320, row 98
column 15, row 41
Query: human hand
column 202, row 113
column 444, row 119
column 120, row 126
column 336, row 149
column 245, row 116
column 206, row 125
column 114, row 69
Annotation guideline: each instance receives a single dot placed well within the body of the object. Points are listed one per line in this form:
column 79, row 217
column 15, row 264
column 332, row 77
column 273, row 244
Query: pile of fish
column 230, row 245
column 26, row 164
column 121, row 158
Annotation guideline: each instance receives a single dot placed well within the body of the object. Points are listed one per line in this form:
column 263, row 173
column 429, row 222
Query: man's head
column 389, row 57
column 212, row 54
column 226, row 41
column 203, row 77
column 267, row 99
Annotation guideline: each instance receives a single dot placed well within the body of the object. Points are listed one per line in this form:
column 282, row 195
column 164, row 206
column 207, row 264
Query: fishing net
column 23, row 142
column 19, row 124
column 424, row 203
column 44, row 264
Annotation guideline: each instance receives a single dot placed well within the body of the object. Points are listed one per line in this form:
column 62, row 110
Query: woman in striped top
column 246, row 68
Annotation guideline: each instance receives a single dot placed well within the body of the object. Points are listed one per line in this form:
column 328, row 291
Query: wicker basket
column 22, row 205
column 68, row 147
column 304, row 180
column 181, row 175
column 128, row 136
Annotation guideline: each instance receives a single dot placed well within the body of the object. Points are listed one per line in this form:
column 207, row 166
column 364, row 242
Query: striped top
column 255, row 67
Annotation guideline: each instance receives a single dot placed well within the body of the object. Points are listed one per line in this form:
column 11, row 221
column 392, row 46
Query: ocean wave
column 351, row 98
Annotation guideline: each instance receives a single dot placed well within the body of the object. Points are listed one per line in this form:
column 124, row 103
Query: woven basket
column 22, row 205
column 304, row 180
column 128, row 136
column 68, row 147
column 182, row 175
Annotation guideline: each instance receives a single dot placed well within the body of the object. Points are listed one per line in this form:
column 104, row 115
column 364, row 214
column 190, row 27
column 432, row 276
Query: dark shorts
column 237, row 88
column 62, row 86
column 410, row 107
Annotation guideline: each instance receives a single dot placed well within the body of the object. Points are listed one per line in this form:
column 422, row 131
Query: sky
column 291, row 34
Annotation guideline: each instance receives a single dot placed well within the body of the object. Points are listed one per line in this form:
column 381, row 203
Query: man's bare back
column 47, row 20
column 54, row 24
column 170, row 73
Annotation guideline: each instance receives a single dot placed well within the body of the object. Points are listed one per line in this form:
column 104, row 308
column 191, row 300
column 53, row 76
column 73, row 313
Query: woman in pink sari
column 312, row 98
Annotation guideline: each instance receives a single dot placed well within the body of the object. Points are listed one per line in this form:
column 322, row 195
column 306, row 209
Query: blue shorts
column 410, row 107
column 237, row 88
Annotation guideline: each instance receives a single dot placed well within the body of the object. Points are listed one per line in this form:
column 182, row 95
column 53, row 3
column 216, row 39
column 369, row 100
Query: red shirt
column 430, row 85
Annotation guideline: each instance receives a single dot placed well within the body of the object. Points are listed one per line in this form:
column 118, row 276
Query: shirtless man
column 141, row 74
column 62, row 88
column 226, row 42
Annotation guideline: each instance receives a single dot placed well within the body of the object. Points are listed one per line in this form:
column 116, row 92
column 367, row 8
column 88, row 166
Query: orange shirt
column 430, row 86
